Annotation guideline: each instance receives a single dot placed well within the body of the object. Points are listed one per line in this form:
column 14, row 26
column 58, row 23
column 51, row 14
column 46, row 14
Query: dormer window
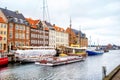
column 15, row 20
column 21, row 21
column 26, row 23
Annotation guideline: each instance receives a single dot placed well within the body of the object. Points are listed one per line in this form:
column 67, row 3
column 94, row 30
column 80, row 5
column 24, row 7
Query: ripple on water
column 90, row 69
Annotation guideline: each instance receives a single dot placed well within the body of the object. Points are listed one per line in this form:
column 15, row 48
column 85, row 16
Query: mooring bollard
column 104, row 71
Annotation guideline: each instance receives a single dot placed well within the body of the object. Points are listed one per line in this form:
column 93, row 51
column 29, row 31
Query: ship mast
column 44, row 17
column 43, row 10
column 70, row 32
column 79, row 37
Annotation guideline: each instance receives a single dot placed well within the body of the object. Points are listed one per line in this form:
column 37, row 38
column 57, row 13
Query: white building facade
column 52, row 38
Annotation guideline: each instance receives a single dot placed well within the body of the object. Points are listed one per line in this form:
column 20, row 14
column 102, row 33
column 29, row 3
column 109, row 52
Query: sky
column 98, row 19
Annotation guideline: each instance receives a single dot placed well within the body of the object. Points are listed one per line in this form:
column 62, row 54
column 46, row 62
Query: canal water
column 90, row 69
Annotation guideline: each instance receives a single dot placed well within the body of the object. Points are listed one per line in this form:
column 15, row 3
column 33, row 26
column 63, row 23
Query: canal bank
column 114, row 75
column 90, row 69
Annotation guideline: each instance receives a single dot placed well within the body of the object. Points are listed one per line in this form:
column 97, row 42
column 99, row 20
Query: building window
column 4, row 38
column 1, row 32
column 11, row 34
column 27, row 36
column 15, row 20
column 21, row 21
column 4, row 32
column 1, row 25
column 23, row 27
column 11, row 25
column 17, row 27
column 0, row 46
column 4, row 25
column 16, row 35
column 27, row 29
column 23, row 35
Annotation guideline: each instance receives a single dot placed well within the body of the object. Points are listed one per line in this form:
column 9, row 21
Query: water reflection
column 90, row 69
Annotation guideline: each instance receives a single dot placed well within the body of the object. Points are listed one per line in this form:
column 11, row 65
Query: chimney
column 5, row 7
column 53, row 25
column 17, row 12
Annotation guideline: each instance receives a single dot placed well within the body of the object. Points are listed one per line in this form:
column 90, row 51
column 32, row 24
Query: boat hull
column 3, row 61
column 90, row 53
column 60, row 62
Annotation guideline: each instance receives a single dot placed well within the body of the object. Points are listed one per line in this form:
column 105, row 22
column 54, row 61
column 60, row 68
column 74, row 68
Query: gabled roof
column 49, row 25
column 78, row 32
column 1, row 20
column 14, row 16
column 32, row 22
column 59, row 29
column 9, row 13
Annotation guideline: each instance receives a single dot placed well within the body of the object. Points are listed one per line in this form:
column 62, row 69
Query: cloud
column 97, row 18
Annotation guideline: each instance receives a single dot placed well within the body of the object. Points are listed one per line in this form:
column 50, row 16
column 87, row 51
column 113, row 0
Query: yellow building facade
column 3, row 35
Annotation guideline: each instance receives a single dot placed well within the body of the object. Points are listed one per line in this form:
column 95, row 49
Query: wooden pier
column 114, row 75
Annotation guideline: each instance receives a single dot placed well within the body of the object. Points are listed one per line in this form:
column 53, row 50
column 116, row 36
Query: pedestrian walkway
column 114, row 75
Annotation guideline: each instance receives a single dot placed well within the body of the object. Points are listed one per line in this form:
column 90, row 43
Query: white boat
column 32, row 54
column 55, row 61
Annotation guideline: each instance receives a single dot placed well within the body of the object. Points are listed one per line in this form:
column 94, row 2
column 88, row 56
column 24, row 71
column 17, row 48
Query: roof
column 1, row 20
column 9, row 13
column 59, row 29
column 49, row 25
column 78, row 32
column 32, row 22
column 14, row 16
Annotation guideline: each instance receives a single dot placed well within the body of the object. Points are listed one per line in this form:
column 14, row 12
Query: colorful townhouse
column 52, row 34
column 61, row 36
column 39, row 34
column 18, row 32
column 82, row 40
column 3, row 35
column 77, row 37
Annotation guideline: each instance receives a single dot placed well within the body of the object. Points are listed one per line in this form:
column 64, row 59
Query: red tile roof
column 59, row 29
column 32, row 22
column 1, row 20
